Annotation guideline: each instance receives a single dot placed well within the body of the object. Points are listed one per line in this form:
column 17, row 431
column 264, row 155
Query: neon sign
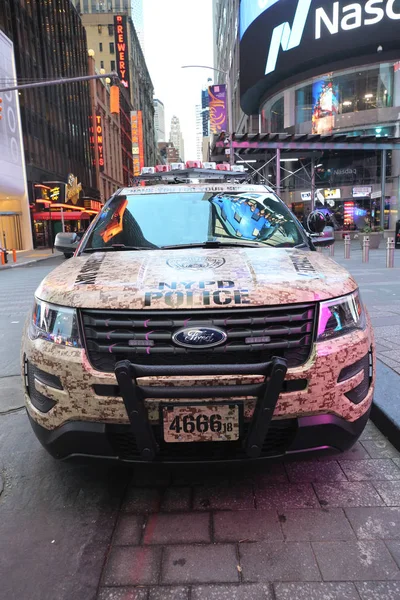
column 137, row 141
column 121, row 45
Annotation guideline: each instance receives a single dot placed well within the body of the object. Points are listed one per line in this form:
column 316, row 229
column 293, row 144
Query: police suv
column 197, row 322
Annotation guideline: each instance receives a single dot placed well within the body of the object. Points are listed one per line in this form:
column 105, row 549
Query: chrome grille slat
column 110, row 335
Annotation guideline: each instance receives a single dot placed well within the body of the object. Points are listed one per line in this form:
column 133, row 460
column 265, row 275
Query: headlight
column 340, row 316
column 56, row 324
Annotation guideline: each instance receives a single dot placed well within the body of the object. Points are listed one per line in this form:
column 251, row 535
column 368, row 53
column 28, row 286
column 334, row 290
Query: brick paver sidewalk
column 321, row 529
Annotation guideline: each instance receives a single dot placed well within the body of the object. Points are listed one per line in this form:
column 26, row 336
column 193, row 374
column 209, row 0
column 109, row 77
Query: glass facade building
column 357, row 102
column 50, row 43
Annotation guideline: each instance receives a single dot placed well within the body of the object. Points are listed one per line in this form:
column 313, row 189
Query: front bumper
column 88, row 395
column 322, row 434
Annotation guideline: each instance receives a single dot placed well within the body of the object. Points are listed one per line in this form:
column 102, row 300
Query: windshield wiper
column 215, row 244
column 115, row 248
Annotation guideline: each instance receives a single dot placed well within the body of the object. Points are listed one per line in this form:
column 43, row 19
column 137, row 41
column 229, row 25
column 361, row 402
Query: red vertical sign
column 121, row 48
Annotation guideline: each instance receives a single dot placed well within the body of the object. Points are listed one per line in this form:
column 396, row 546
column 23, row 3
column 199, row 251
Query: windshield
column 155, row 221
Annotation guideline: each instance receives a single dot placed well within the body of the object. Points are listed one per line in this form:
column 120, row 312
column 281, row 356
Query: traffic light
column 114, row 99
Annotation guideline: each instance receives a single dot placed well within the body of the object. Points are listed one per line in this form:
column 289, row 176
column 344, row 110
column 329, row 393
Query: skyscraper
column 159, row 120
column 176, row 137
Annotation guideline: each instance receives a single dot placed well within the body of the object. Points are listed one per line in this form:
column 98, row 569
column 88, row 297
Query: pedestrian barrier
column 347, row 246
column 390, row 244
column 365, row 249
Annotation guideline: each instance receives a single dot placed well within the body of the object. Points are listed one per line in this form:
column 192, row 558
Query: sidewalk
column 380, row 289
column 26, row 257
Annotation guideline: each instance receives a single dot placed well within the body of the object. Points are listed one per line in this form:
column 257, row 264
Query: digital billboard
column 325, row 106
column 12, row 160
column 283, row 42
column 217, row 104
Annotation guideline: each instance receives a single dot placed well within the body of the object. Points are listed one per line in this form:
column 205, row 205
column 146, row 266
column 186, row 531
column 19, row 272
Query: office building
column 99, row 22
column 159, row 120
column 176, row 137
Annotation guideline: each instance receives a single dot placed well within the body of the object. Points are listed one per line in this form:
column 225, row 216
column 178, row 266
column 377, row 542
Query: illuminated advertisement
column 96, row 135
column 362, row 191
column 12, row 160
column 325, row 106
column 283, row 42
column 218, row 114
column 348, row 211
column 121, row 48
column 137, row 141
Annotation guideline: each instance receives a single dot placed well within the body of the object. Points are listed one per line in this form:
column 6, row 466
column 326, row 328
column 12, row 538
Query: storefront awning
column 56, row 216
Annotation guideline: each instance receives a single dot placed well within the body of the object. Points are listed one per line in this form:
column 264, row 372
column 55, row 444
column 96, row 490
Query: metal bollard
column 332, row 250
column 347, row 246
column 390, row 253
column 365, row 249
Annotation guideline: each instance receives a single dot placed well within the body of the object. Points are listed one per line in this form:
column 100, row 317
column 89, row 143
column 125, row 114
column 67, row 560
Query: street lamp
column 229, row 101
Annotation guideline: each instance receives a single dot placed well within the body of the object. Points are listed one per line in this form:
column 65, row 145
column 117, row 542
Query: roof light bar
column 177, row 166
column 148, row 170
column 163, row 168
column 224, row 167
column 194, row 164
column 210, row 165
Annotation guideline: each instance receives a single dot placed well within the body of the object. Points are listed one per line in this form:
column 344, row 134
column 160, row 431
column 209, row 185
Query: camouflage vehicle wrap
column 77, row 406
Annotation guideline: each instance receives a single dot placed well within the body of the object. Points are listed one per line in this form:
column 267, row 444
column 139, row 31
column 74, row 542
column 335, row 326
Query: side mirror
column 316, row 222
column 65, row 239
column 66, row 243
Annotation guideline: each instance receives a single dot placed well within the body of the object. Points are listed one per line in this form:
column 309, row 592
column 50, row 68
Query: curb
column 383, row 415
column 28, row 262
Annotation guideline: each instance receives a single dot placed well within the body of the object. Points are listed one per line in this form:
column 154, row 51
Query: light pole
column 228, row 99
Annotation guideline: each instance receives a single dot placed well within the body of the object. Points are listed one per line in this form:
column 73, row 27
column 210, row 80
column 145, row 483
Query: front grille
column 146, row 337
column 280, row 436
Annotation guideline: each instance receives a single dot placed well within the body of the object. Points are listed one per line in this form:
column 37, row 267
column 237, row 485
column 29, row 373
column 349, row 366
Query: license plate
column 195, row 423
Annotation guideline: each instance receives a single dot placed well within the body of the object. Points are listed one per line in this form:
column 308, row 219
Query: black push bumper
column 322, row 434
column 141, row 441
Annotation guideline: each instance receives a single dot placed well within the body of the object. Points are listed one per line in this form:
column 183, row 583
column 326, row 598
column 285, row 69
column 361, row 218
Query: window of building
column 113, row 65
column 102, row 64
column 111, row 30
column 112, row 48
column 101, row 47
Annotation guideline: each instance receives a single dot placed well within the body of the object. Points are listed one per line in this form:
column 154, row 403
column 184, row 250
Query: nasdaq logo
column 287, row 37
column 339, row 17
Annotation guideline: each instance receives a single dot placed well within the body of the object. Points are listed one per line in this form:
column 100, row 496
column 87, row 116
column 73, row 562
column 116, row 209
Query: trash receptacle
column 397, row 238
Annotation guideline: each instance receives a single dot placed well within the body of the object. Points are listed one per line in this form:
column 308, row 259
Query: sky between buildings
column 176, row 33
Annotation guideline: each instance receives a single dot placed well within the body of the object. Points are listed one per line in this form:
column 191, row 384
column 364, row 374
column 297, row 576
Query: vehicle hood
column 195, row 278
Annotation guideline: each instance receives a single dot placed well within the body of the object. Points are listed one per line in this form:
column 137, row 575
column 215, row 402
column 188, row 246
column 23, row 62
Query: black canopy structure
column 269, row 147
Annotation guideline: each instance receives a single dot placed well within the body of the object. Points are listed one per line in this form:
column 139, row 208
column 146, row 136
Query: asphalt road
column 312, row 530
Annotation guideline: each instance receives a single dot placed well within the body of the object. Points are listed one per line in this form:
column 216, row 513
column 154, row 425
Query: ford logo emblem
column 199, row 337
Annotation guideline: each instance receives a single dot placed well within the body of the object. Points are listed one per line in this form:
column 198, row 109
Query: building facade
column 50, row 43
column 102, row 38
column 176, row 138
column 105, row 138
column 328, row 81
column 226, row 53
column 159, row 120
column 168, row 153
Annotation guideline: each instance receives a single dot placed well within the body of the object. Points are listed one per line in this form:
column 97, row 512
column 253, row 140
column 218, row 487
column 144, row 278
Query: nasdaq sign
column 286, row 41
